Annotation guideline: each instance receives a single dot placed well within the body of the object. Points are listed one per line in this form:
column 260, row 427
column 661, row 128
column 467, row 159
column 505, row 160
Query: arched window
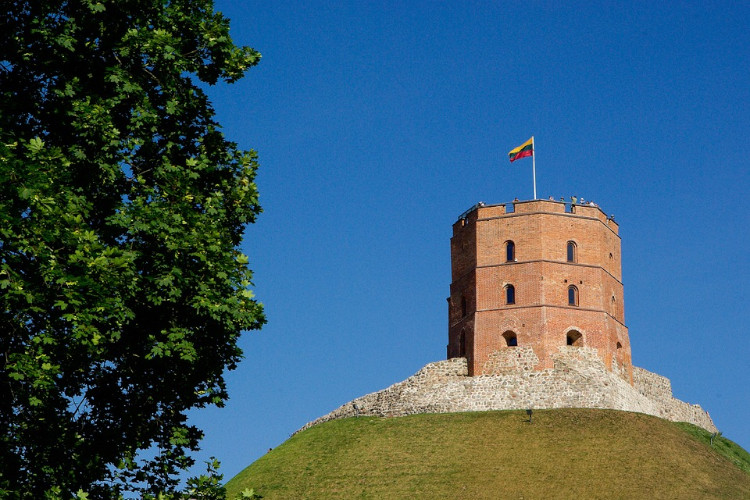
column 510, row 251
column 463, row 306
column 572, row 295
column 510, row 294
column 572, row 251
column 575, row 338
column 462, row 344
column 619, row 345
column 510, row 339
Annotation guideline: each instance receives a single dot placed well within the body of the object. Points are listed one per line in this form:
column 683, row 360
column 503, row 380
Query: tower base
column 579, row 379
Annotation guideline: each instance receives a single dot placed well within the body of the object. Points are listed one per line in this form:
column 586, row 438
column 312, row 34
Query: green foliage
column 564, row 453
column 121, row 209
column 247, row 493
column 207, row 486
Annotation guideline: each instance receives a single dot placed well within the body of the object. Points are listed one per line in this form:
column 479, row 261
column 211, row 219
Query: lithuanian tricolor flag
column 522, row 151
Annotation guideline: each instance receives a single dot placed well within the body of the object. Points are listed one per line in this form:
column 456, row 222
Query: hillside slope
column 565, row 453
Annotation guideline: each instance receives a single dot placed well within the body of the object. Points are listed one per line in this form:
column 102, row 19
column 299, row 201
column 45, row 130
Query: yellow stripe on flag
column 519, row 148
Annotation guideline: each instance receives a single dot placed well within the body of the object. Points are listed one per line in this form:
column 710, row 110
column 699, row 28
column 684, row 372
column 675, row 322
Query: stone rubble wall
column 659, row 388
column 579, row 379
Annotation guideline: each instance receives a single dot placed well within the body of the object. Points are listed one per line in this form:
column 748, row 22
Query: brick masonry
column 480, row 315
column 577, row 379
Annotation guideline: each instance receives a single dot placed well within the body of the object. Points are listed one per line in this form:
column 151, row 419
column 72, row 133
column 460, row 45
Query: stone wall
column 659, row 388
column 579, row 379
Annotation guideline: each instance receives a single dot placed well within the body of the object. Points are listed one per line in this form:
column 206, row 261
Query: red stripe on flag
column 523, row 154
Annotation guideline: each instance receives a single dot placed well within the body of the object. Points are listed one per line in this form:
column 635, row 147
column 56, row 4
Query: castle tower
column 536, row 274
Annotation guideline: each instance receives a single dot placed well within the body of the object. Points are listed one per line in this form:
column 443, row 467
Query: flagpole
column 533, row 163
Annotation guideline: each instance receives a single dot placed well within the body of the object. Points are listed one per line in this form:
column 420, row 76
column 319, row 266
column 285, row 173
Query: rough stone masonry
column 579, row 379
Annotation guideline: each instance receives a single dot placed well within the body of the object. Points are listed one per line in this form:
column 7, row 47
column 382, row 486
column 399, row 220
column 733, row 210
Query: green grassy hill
column 567, row 453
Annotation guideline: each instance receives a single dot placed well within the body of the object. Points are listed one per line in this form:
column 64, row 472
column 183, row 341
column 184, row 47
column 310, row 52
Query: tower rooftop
column 588, row 209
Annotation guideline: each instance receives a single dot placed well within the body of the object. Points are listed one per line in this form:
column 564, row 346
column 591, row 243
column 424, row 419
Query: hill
column 564, row 453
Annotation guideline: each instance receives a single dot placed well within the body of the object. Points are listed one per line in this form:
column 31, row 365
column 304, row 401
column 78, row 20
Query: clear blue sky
column 378, row 123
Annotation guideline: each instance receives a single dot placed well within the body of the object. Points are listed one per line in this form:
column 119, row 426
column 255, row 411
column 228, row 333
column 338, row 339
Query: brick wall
column 541, row 316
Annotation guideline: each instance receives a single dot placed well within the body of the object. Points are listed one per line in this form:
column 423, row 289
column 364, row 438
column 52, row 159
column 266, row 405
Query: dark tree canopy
column 122, row 205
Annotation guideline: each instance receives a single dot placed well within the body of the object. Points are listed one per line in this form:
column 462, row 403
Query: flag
column 522, row 151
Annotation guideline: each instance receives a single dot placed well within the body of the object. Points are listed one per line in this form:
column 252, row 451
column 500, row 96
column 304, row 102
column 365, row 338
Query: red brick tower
column 544, row 275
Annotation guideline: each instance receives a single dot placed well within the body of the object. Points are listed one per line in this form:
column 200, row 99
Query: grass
column 729, row 449
column 567, row 453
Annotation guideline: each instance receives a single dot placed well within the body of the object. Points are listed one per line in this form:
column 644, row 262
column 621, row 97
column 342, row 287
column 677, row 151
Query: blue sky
column 378, row 123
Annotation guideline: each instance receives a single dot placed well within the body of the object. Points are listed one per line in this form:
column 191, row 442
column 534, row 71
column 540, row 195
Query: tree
column 122, row 206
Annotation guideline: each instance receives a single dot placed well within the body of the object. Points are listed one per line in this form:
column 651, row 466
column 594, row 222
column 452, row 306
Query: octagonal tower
column 540, row 274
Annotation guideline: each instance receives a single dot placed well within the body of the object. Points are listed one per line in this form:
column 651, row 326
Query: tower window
column 462, row 344
column 572, row 295
column 511, row 340
column 572, row 251
column 510, row 294
column 575, row 338
column 510, row 251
